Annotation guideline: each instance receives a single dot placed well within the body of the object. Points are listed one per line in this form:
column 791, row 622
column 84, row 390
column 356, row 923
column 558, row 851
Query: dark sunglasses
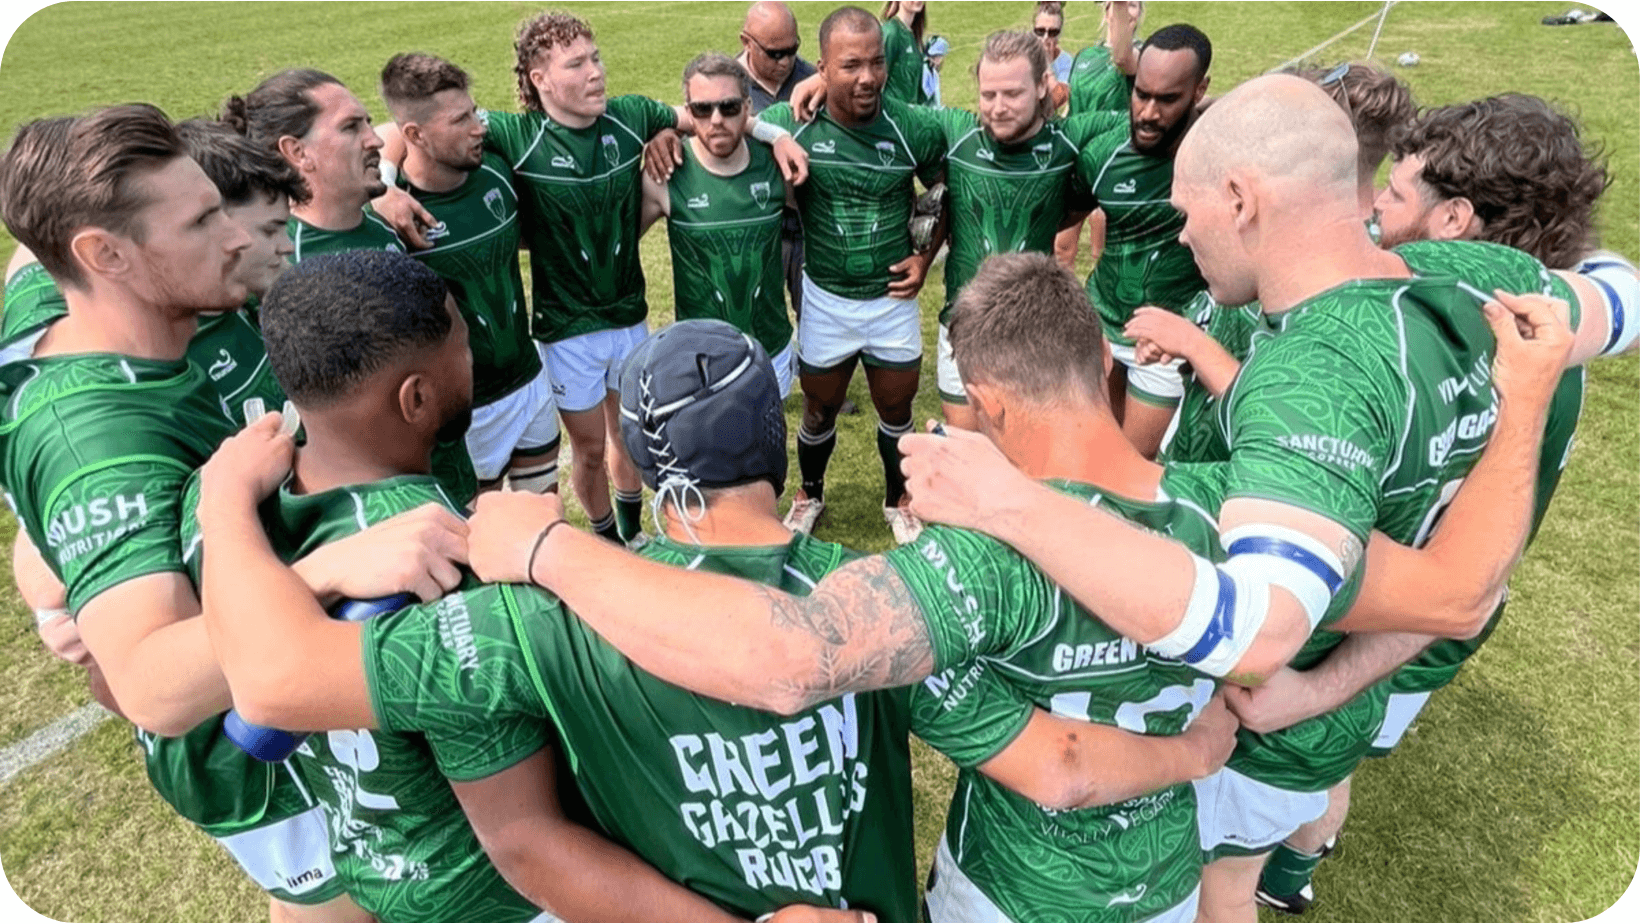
column 775, row 54
column 1044, row 32
column 729, row 107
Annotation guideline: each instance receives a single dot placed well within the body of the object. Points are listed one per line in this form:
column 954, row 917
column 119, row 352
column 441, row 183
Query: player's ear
column 1238, row 190
column 292, row 150
column 99, row 252
column 411, row 132
column 415, row 395
column 1201, row 89
column 1455, row 220
column 989, row 404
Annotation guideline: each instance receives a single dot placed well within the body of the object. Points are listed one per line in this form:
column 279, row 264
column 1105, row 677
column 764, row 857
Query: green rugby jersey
column 904, row 60
column 1008, row 198
column 725, row 238
column 1143, row 262
column 475, row 251
column 32, row 301
column 451, row 462
column 402, row 846
column 857, row 201
column 581, row 189
column 750, row 809
column 1096, row 84
column 1123, row 862
column 94, row 449
column 228, row 345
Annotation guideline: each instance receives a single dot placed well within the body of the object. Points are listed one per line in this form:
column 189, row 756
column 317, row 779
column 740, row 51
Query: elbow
column 162, row 722
column 265, row 696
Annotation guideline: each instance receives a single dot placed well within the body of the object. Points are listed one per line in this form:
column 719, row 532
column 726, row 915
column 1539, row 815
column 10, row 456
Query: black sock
column 606, row 528
column 813, row 455
column 628, row 513
column 888, row 446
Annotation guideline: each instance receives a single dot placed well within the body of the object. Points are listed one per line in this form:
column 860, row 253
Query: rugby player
column 474, row 237
column 375, row 359
column 724, row 208
column 1130, row 172
column 860, row 277
column 104, row 418
column 318, row 126
column 1537, row 197
column 1008, row 183
column 751, row 810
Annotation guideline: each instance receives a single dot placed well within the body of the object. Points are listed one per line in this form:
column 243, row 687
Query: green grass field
column 1517, row 796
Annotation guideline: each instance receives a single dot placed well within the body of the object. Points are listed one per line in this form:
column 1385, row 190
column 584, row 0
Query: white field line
column 46, row 742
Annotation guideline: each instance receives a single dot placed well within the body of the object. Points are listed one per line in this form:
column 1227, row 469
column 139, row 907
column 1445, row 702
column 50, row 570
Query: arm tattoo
column 863, row 627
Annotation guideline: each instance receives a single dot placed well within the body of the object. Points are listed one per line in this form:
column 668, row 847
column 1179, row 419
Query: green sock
column 628, row 514
column 1288, row 870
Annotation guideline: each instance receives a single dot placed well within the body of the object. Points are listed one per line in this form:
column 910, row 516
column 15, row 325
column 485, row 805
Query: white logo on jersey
column 455, row 631
column 612, row 151
column 1041, row 153
column 492, row 201
column 1127, row 186
column 95, row 514
column 701, row 201
column 437, row 231
column 1469, row 427
column 1128, row 898
column 563, row 161
column 1328, row 450
column 885, row 152
column 986, row 154
column 824, row 147
column 1076, row 657
column 222, row 366
column 760, row 194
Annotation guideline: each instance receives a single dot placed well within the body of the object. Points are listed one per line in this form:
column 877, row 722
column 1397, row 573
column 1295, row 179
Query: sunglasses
column 728, row 107
column 775, row 54
column 1044, row 32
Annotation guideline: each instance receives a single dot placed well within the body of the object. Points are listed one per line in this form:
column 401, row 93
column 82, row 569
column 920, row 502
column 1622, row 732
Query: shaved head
column 1282, row 129
column 769, row 14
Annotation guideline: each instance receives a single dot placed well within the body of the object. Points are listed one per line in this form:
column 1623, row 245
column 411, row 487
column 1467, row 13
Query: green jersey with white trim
column 1143, row 262
column 475, row 251
column 750, row 809
column 725, row 238
column 95, row 449
column 451, row 462
column 1096, row 84
column 856, row 204
column 400, row 841
column 1007, row 198
column 1128, row 861
column 904, row 60
column 371, row 233
column 32, row 301
column 581, row 192
column 228, row 345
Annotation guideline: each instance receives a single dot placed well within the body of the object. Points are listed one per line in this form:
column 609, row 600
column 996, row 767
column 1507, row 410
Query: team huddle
column 281, row 425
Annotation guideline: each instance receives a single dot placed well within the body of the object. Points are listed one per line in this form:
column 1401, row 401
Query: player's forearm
column 709, row 633
column 1361, row 660
column 169, row 682
column 1122, row 27
column 270, row 634
column 581, row 876
column 1065, row 764
column 1213, row 365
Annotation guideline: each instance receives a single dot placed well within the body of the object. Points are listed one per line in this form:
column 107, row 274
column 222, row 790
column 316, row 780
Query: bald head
column 1282, row 129
column 771, row 15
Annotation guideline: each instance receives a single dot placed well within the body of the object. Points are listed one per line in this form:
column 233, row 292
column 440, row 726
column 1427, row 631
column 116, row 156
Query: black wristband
column 540, row 537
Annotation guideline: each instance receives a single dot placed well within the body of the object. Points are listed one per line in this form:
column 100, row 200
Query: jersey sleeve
column 780, row 114
column 645, row 115
column 969, row 713
column 455, row 671
column 504, row 134
column 927, row 138
column 1084, row 127
column 977, row 596
column 1307, row 429
column 1096, row 153
column 189, row 533
column 32, row 301
column 114, row 522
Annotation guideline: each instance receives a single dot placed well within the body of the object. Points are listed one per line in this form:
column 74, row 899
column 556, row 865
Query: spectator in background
column 933, row 60
column 904, row 25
